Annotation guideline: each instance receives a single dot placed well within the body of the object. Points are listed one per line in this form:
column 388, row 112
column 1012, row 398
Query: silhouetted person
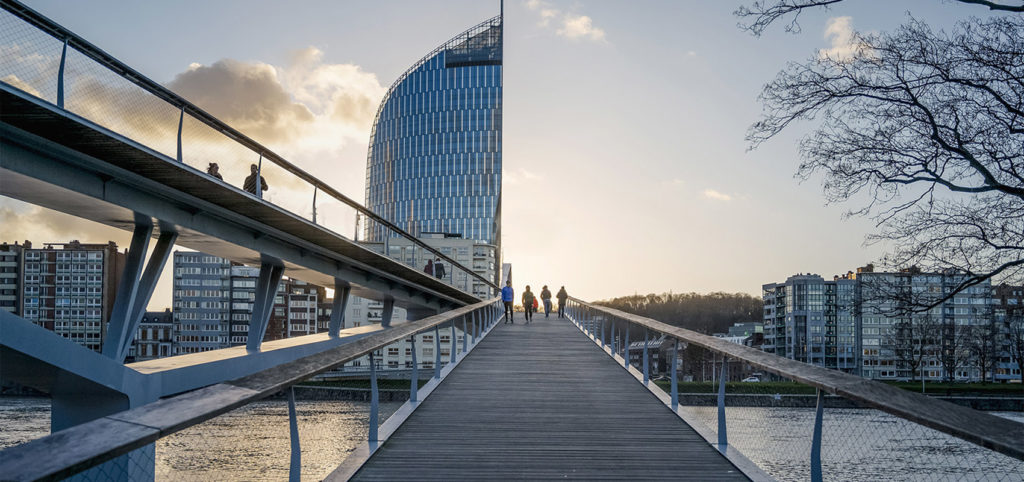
column 508, row 296
column 214, row 170
column 429, row 268
column 250, row 182
column 562, row 297
column 528, row 302
column 438, row 269
column 545, row 296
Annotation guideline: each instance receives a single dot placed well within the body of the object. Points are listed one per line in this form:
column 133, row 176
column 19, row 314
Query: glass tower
column 434, row 161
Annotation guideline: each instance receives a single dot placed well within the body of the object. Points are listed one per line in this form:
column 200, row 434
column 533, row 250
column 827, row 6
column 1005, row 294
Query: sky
column 625, row 165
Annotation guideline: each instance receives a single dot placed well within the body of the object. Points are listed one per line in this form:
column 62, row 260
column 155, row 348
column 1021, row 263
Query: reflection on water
column 252, row 443
column 23, row 419
column 857, row 444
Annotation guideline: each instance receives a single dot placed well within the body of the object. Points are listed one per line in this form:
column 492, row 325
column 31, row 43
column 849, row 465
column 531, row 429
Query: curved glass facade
column 434, row 161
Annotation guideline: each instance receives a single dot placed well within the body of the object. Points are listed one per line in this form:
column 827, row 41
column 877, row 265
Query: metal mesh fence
column 253, row 442
column 29, row 59
column 104, row 97
column 771, row 422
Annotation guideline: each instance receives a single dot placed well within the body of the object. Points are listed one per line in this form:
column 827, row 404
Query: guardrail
column 90, row 444
column 1000, row 440
column 49, row 61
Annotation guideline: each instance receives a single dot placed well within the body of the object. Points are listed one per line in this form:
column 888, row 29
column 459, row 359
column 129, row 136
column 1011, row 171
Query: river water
column 252, row 442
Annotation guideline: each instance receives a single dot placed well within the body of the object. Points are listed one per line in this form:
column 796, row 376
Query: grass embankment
column 794, row 388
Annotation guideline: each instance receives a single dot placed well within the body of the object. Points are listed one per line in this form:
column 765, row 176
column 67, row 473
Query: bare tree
column 912, row 340
column 983, row 345
column 762, row 13
column 954, row 347
column 1014, row 330
column 924, row 131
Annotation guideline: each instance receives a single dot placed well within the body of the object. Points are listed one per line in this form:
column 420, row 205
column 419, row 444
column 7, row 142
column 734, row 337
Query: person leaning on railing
column 250, row 182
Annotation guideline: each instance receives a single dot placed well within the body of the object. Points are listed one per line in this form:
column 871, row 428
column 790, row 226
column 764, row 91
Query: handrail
column 83, row 446
column 989, row 431
column 62, row 34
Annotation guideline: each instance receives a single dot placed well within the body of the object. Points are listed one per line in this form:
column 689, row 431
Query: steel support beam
column 342, row 290
column 387, row 312
column 263, row 305
column 150, row 277
column 128, row 290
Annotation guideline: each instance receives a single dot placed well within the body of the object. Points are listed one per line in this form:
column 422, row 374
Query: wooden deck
column 541, row 401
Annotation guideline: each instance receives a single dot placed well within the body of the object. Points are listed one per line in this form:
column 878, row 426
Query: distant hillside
column 704, row 313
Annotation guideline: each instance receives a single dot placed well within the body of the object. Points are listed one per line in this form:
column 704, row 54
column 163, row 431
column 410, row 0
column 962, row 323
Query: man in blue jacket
column 508, row 295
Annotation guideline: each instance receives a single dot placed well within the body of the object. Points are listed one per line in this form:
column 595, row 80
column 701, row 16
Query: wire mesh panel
column 29, row 58
column 104, row 97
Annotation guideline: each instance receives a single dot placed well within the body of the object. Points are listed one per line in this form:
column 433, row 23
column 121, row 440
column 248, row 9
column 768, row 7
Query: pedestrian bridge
column 558, row 398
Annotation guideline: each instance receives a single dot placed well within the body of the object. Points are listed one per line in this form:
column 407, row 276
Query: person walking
column 562, row 297
column 438, row 268
column 545, row 297
column 508, row 296
column 528, row 301
column 250, row 182
column 429, row 268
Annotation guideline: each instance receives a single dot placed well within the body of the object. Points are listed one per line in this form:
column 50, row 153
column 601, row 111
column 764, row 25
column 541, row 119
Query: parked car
column 752, row 380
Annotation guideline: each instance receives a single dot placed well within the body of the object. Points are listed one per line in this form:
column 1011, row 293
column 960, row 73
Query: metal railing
column 49, row 61
column 77, row 449
column 874, row 426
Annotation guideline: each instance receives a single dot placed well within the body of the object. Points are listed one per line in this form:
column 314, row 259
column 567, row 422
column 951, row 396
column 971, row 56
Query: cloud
column 247, row 96
column 22, row 221
column 846, row 43
column 520, row 175
column 569, row 25
column 674, row 182
column 717, row 196
column 15, row 82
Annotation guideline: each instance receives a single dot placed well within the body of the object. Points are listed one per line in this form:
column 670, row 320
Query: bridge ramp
column 541, row 401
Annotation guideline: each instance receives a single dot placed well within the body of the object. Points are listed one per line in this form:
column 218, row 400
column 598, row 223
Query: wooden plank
column 541, row 401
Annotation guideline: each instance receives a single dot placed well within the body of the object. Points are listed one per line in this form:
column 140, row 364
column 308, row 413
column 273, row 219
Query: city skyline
column 605, row 201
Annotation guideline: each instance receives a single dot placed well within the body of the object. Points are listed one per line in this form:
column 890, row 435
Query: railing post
column 465, row 334
column 816, row 475
column 453, row 349
column 315, row 188
column 625, row 348
column 647, row 341
column 374, row 400
column 60, row 75
column 259, row 175
column 295, row 469
column 602, row 332
column 723, row 440
column 675, row 386
column 181, row 122
column 414, row 379
column 437, row 352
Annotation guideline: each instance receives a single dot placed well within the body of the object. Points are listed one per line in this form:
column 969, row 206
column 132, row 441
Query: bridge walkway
column 541, row 401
